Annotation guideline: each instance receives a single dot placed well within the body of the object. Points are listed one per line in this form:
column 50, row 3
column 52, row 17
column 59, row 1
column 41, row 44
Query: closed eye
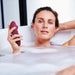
column 40, row 21
column 50, row 22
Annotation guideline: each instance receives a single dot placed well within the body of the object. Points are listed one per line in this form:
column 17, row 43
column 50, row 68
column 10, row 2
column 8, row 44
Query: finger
column 16, row 36
column 18, row 39
column 8, row 27
column 57, row 30
column 11, row 30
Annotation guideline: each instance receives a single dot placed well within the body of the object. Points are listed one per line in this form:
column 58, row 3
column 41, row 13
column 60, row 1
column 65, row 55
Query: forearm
column 67, row 25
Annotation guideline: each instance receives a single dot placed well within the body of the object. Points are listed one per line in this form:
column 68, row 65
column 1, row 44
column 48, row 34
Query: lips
column 44, row 31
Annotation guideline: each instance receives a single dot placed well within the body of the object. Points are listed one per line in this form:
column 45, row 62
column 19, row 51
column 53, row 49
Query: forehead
column 45, row 15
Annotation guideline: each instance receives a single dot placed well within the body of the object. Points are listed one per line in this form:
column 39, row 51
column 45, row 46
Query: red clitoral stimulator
column 13, row 24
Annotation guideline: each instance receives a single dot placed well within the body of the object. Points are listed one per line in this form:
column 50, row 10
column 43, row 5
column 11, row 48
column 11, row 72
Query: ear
column 33, row 26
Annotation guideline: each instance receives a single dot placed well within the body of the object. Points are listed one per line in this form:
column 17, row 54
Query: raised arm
column 66, row 25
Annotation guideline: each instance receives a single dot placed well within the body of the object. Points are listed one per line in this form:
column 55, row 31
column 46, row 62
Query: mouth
column 44, row 32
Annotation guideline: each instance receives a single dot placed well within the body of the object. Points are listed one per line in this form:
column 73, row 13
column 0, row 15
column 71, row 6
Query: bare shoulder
column 70, row 42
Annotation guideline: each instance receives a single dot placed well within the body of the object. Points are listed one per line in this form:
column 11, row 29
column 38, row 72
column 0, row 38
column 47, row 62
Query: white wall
column 72, row 9
column 32, row 5
column 65, row 8
column 11, row 11
column 0, row 16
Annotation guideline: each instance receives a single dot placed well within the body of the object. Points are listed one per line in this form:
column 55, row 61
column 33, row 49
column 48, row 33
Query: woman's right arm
column 12, row 39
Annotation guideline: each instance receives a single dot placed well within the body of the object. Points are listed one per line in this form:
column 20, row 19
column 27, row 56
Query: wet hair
column 48, row 9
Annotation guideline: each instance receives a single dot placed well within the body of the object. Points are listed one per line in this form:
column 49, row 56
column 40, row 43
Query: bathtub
column 29, row 38
column 36, row 61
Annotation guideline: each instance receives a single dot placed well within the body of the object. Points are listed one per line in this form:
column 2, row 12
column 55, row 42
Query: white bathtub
column 36, row 61
column 29, row 37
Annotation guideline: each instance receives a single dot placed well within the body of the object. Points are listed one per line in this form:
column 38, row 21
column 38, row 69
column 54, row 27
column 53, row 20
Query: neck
column 42, row 43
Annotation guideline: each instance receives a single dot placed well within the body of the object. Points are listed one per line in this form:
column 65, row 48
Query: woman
column 45, row 24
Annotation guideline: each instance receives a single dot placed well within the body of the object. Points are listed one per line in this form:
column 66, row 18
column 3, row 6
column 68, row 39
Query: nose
column 45, row 25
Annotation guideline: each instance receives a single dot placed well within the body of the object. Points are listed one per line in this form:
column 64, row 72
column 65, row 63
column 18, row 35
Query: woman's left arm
column 66, row 25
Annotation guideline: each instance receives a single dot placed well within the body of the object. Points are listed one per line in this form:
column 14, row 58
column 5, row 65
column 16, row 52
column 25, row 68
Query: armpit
column 66, row 44
column 70, row 42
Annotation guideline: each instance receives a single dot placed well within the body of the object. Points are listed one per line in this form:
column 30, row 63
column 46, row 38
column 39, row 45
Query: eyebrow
column 40, row 18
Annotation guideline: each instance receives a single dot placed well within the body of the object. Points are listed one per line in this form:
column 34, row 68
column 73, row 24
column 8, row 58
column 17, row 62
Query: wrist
column 62, row 26
column 16, row 51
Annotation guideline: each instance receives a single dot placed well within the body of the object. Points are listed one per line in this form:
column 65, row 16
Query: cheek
column 52, row 28
column 37, row 28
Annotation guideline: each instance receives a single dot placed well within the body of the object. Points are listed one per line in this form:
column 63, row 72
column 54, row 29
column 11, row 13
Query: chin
column 44, row 37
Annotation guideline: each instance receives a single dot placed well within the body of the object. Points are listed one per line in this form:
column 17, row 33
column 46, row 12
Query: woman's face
column 44, row 25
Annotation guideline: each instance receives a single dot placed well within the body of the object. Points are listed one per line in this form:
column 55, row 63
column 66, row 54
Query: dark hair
column 48, row 9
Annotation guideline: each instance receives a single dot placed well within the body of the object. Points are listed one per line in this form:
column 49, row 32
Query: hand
column 61, row 27
column 13, row 38
column 68, row 71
